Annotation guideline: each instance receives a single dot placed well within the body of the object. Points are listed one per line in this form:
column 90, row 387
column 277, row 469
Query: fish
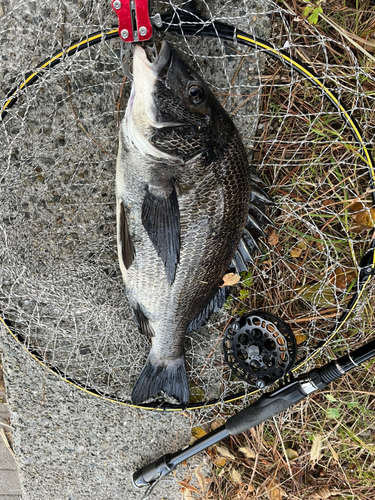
column 189, row 207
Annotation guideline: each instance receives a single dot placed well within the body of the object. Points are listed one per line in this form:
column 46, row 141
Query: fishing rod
column 266, row 407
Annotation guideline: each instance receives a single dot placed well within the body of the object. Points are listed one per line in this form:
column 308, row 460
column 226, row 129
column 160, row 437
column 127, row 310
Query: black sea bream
column 188, row 207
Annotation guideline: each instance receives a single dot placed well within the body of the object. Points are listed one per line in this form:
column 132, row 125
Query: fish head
column 173, row 109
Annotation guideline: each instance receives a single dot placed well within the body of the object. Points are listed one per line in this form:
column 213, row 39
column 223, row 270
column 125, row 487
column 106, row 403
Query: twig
column 348, row 36
column 6, row 442
column 119, row 99
column 311, row 318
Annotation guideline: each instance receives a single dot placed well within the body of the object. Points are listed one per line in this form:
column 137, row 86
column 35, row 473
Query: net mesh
column 61, row 289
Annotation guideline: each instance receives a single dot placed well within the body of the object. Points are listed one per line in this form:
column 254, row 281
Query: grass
column 325, row 446
column 323, row 449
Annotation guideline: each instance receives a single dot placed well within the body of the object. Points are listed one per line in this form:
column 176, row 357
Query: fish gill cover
column 61, row 288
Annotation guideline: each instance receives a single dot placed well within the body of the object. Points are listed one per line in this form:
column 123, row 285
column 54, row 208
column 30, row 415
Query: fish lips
column 164, row 61
column 174, row 74
column 172, row 71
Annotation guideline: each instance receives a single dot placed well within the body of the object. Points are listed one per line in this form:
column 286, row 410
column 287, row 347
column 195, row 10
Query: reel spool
column 259, row 348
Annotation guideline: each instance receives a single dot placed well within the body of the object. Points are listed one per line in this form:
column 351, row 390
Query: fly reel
column 259, row 348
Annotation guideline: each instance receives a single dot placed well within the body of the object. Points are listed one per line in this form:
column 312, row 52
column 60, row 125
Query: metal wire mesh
column 60, row 285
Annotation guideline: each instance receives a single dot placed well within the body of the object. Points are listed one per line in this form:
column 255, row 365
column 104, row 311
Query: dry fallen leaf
column 295, row 252
column 300, row 337
column 218, row 422
column 327, row 202
column 316, row 448
column 224, row 452
column 211, row 451
column 298, row 249
column 363, row 216
column 187, row 489
column 236, row 477
column 273, row 239
column 321, row 494
column 342, row 277
column 201, row 478
column 275, row 491
column 248, row 452
column 197, row 432
column 291, row 454
column 219, row 461
column 230, row 279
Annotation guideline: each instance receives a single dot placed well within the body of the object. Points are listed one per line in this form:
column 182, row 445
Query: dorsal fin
column 262, row 219
column 250, row 241
column 161, row 219
column 126, row 242
column 256, row 222
column 214, row 305
column 260, row 198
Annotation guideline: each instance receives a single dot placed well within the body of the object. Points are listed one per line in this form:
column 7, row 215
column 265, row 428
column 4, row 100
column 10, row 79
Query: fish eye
column 196, row 93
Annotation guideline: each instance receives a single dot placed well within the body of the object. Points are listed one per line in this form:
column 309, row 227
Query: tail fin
column 157, row 375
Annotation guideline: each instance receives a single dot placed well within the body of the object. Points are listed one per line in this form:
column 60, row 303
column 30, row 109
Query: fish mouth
column 146, row 74
column 163, row 62
column 159, row 68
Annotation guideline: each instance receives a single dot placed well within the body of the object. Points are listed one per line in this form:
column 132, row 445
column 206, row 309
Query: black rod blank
column 264, row 408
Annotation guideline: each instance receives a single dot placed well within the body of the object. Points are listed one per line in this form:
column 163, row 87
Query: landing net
column 61, row 290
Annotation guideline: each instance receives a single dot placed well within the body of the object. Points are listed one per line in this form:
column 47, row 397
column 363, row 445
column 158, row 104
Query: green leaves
column 247, row 279
column 312, row 11
column 244, row 294
column 333, row 412
column 336, row 411
column 331, row 398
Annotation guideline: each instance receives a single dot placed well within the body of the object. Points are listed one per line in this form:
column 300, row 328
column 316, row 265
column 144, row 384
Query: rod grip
column 266, row 407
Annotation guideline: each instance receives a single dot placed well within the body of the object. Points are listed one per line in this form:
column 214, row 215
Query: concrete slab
column 72, row 446
column 10, row 487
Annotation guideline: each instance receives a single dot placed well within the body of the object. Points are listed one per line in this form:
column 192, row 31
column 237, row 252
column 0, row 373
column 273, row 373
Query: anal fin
column 142, row 322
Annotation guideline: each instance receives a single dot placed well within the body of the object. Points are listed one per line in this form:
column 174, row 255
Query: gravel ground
column 68, row 444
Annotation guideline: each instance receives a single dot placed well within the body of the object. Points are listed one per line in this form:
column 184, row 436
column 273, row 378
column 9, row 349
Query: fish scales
column 183, row 188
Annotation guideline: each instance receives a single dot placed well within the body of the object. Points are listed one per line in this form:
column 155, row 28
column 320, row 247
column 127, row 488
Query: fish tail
column 162, row 375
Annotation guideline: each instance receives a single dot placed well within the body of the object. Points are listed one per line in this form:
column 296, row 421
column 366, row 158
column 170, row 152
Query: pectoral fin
column 126, row 243
column 161, row 219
